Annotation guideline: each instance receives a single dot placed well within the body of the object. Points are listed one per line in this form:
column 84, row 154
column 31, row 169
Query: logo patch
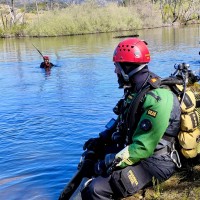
column 152, row 113
column 145, row 125
column 153, row 80
column 132, row 178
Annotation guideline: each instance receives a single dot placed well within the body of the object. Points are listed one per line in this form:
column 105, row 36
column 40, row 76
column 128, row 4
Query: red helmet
column 132, row 50
column 46, row 57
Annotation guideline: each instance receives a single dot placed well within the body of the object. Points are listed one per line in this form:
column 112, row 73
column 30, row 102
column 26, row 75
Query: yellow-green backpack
column 189, row 135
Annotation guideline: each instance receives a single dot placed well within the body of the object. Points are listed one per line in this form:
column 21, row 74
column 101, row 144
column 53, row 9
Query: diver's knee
column 91, row 190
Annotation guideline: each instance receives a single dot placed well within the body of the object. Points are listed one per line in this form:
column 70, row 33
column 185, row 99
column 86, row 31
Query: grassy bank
column 183, row 185
column 93, row 17
column 86, row 18
column 83, row 19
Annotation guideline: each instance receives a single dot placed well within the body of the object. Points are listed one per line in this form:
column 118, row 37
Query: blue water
column 46, row 117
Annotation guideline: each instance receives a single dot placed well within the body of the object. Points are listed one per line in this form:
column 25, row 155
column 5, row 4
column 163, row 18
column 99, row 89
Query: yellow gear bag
column 188, row 140
column 189, row 121
column 189, row 136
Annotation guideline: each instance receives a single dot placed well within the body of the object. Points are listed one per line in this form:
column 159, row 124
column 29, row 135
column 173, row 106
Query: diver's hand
column 102, row 165
column 93, row 144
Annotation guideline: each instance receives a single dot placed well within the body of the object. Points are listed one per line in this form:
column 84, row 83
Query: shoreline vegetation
column 93, row 16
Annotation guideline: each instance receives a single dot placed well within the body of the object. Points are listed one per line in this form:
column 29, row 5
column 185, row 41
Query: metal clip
column 175, row 157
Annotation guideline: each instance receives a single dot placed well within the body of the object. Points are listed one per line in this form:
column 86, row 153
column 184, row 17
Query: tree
column 10, row 16
column 189, row 11
column 180, row 11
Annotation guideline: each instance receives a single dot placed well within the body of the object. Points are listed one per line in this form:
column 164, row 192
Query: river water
column 45, row 117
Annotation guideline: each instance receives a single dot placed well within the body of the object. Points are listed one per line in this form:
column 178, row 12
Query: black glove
column 101, row 166
column 113, row 165
column 87, row 155
column 109, row 158
column 118, row 138
column 93, row 144
column 119, row 106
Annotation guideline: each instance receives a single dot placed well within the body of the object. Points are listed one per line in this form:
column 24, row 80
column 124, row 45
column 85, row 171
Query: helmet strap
column 127, row 76
column 136, row 70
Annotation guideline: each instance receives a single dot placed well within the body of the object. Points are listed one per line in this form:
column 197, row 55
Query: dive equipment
column 38, row 51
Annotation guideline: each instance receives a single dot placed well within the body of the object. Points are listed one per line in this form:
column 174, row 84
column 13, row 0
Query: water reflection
column 46, row 71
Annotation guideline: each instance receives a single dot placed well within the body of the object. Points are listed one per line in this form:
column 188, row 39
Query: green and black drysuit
column 159, row 116
column 148, row 126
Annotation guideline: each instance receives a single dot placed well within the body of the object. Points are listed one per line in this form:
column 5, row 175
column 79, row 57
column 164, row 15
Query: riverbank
column 76, row 20
column 183, row 185
column 86, row 18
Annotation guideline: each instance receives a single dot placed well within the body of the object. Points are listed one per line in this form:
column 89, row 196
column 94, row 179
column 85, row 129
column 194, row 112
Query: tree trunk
column 2, row 19
column 13, row 11
column 37, row 10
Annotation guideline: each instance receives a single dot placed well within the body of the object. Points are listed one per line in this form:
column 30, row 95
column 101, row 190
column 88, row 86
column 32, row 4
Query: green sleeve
column 157, row 111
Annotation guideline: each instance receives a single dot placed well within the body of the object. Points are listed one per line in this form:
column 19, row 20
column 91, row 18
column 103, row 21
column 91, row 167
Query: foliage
column 181, row 11
column 156, row 187
column 55, row 18
column 1, row 32
column 16, row 30
column 149, row 14
column 85, row 18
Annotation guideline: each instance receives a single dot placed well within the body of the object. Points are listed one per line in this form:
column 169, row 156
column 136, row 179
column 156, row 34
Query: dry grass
column 184, row 185
column 86, row 18
column 83, row 19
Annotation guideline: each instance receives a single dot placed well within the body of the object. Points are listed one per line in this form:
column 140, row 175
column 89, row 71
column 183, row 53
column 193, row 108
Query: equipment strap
column 130, row 119
column 197, row 103
column 165, row 150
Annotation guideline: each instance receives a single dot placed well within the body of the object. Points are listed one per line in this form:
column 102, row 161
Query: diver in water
column 46, row 63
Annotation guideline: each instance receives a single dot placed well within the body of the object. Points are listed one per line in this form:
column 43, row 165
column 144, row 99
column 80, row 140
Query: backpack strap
column 198, row 104
column 153, row 82
column 133, row 108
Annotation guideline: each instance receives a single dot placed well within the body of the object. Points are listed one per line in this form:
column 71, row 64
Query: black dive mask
column 124, row 77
